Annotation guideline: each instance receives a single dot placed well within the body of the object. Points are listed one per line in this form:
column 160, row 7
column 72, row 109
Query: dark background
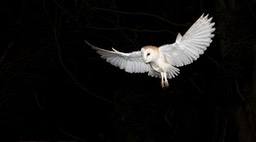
column 55, row 87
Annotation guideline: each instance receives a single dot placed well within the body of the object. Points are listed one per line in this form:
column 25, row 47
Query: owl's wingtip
column 92, row 46
column 114, row 49
column 204, row 15
column 88, row 43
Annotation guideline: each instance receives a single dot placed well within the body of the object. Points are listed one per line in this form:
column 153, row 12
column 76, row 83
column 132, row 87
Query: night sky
column 54, row 87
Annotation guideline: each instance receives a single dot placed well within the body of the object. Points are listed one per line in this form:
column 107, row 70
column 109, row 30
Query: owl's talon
column 165, row 84
column 162, row 84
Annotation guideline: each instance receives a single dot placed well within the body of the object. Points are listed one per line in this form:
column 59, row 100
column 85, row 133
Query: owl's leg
column 164, row 81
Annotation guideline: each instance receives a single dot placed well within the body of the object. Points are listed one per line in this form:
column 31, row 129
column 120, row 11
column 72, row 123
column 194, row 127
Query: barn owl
column 162, row 61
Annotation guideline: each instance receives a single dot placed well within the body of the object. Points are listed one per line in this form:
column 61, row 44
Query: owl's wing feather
column 131, row 62
column 187, row 48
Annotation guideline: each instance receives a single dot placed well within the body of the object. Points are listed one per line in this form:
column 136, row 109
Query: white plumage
column 162, row 61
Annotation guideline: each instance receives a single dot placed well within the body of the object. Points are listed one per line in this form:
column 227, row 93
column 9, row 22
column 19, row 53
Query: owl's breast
column 156, row 67
column 160, row 66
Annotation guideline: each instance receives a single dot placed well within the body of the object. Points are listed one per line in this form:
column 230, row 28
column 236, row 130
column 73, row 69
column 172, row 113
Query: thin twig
column 37, row 101
column 71, row 135
column 224, row 130
column 138, row 13
column 238, row 91
column 138, row 30
column 196, row 86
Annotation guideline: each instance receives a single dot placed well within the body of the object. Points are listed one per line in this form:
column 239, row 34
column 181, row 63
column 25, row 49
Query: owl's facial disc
column 147, row 56
column 149, row 53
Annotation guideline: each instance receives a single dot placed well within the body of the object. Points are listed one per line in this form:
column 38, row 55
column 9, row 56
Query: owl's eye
column 148, row 54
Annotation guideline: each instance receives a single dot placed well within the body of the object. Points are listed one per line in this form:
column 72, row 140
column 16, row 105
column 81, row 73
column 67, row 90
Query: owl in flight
column 162, row 61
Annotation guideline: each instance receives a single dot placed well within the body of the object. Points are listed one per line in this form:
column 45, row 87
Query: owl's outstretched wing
column 131, row 62
column 187, row 48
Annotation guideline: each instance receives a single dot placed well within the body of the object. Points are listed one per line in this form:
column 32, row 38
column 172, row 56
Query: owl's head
column 150, row 53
